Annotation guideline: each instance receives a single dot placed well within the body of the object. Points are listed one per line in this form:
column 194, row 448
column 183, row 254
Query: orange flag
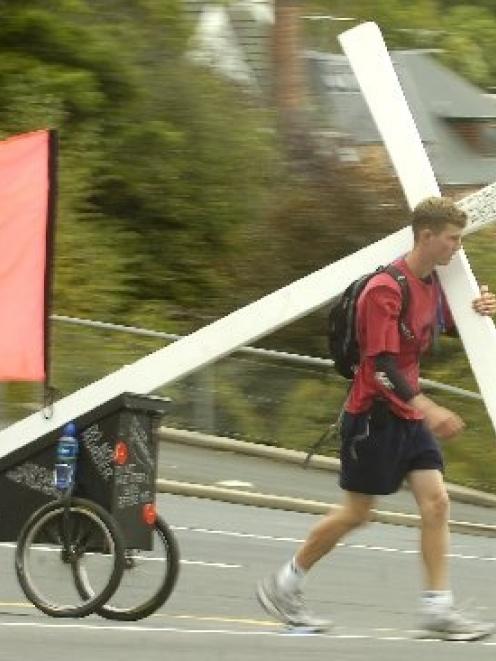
column 27, row 210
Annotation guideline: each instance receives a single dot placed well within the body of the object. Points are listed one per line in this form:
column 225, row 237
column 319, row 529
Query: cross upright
column 368, row 55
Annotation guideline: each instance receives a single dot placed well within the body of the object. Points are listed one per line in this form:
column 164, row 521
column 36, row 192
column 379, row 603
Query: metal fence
column 255, row 394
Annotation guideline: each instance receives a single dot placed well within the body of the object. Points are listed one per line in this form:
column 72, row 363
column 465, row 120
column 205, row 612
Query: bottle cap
column 69, row 429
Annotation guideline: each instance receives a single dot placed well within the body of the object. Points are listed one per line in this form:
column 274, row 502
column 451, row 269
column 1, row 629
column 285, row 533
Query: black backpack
column 343, row 345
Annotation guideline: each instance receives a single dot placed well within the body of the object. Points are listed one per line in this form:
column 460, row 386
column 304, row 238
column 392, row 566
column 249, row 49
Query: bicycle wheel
column 148, row 580
column 59, row 539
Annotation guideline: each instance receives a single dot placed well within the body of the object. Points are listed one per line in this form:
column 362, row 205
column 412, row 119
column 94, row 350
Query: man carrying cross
column 389, row 429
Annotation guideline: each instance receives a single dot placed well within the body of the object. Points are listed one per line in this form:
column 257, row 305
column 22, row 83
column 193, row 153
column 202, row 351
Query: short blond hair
column 435, row 213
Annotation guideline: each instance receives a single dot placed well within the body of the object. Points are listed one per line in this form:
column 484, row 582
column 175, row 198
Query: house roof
column 446, row 93
column 234, row 39
column 437, row 97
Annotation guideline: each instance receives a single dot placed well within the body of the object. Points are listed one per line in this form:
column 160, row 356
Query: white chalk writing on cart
column 100, row 451
column 33, row 476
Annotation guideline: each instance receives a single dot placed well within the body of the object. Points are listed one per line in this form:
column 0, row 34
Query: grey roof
column 447, row 94
column 436, row 97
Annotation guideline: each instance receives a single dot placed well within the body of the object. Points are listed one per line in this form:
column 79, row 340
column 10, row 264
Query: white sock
column 291, row 577
column 435, row 602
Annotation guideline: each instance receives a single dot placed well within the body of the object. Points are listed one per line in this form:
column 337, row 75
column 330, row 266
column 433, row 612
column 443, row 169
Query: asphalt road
column 200, row 465
column 369, row 587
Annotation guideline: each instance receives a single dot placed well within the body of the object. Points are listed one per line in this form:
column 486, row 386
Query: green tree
column 160, row 162
column 403, row 24
column 483, row 4
column 464, row 34
column 469, row 43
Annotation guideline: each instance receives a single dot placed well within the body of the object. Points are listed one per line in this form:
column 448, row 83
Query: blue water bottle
column 67, row 454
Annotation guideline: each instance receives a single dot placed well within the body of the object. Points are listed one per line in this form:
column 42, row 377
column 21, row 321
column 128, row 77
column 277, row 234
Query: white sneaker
column 288, row 607
column 452, row 625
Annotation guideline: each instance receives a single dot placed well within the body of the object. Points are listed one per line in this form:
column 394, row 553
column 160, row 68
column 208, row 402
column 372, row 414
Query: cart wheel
column 148, row 580
column 56, row 542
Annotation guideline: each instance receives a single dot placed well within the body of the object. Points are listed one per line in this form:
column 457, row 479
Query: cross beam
column 236, row 330
column 233, row 331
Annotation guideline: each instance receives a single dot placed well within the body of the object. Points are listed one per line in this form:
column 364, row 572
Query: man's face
column 444, row 245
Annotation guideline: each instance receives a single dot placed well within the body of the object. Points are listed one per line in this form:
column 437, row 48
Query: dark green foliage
column 160, row 163
column 463, row 33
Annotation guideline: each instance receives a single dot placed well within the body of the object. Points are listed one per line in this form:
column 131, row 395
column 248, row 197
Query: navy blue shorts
column 379, row 449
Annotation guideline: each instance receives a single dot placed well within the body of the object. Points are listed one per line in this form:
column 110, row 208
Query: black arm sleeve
column 388, row 374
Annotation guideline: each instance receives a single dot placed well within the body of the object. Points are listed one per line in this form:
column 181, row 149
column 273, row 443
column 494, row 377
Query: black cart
column 101, row 547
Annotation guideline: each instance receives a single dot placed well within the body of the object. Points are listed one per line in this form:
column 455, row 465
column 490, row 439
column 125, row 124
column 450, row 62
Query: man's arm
column 388, row 373
column 486, row 303
column 442, row 422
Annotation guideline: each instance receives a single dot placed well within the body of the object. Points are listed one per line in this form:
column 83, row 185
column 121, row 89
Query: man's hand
column 442, row 422
column 486, row 303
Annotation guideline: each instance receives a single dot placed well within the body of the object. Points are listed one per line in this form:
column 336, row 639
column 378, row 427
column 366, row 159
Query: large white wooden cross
column 374, row 71
column 368, row 55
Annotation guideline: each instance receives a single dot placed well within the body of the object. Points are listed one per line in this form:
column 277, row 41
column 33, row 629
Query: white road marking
column 205, row 563
column 220, row 565
column 294, row 540
column 133, row 628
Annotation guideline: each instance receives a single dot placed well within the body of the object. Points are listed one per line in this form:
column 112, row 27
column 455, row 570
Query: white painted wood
column 480, row 208
column 250, row 323
column 373, row 69
column 370, row 61
column 211, row 342
column 227, row 334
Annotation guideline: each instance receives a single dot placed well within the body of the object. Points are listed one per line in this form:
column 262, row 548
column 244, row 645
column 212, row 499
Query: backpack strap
column 399, row 277
column 439, row 325
column 440, row 317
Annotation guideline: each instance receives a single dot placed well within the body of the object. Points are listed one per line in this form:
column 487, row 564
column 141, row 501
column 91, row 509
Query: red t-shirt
column 378, row 310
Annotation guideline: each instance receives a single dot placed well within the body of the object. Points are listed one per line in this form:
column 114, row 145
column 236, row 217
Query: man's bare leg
column 439, row 619
column 432, row 498
column 281, row 594
column 324, row 536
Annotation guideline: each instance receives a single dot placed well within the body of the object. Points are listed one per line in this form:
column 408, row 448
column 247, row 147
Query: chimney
column 288, row 87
